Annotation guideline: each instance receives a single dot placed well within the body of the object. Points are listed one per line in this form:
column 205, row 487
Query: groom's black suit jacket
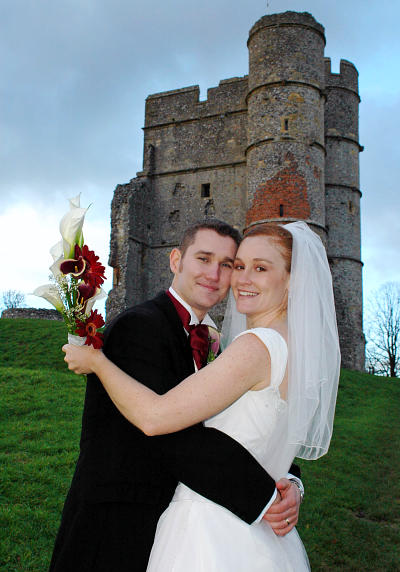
column 123, row 479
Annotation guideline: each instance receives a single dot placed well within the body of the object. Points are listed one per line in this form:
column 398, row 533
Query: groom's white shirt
column 194, row 321
column 208, row 321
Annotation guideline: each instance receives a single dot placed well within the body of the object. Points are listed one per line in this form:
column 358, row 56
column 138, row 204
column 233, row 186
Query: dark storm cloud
column 75, row 76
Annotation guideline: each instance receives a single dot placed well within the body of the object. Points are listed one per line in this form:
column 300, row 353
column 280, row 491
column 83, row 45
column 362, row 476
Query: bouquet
column 76, row 277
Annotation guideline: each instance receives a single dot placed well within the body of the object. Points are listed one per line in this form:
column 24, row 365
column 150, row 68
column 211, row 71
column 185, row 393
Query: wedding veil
column 314, row 354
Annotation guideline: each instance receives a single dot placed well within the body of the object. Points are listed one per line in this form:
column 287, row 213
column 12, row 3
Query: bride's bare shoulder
column 248, row 344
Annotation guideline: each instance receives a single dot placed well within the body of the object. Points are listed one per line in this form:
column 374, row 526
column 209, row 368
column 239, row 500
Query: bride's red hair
column 279, row 234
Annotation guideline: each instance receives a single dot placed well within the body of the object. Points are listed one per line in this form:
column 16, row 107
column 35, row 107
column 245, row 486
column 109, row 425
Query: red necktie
column 198, row 335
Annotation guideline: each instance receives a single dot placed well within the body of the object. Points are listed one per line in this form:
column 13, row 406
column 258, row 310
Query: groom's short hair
column 220, row 227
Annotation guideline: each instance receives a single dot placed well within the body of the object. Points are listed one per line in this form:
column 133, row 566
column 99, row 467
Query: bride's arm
column 243, row 365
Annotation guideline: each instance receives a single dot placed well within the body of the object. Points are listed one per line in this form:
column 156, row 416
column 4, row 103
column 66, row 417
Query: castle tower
column 342, row 200
column 286, row 154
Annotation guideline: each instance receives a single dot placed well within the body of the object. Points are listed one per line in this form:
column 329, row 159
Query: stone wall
column 36, row 313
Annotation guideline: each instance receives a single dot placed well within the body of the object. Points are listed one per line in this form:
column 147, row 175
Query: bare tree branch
column 383, row 331
column 13, row 299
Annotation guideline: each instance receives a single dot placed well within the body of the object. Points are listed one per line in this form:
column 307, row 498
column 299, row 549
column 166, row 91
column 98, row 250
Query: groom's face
column 203, row 273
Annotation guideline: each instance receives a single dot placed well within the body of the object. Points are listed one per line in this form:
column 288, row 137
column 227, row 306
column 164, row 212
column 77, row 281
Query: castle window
column 285, row 125
column 205, row 190
column 280, row 210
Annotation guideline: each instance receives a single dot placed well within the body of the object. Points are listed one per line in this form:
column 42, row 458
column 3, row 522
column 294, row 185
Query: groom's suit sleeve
column 205, row 459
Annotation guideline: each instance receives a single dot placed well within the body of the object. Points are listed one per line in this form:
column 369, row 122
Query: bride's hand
column 81, row 359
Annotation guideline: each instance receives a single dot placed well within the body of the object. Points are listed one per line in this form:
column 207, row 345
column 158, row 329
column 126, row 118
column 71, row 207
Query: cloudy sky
column 74, row 75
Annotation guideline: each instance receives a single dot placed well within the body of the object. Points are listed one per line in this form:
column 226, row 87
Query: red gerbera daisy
column 93, row 273
column 89, row 329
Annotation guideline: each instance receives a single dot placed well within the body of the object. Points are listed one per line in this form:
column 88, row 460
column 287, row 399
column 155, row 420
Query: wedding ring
column 288, row 521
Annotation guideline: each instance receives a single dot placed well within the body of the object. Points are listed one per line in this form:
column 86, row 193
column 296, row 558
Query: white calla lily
column 75, row 201
column 71, row 227
column 50, row 293
column 99, row 295
column 57, row 251
column 55, row 267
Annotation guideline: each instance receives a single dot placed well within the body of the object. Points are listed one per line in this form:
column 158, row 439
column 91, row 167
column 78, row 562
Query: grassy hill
column 32, row 344
column 350, row 518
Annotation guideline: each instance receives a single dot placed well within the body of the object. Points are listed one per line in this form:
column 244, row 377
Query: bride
column 273, row 389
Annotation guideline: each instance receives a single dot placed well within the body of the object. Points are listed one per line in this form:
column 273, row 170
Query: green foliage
column 350, row 517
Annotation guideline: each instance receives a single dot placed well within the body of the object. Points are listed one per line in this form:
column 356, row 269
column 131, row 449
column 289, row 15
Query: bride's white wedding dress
column 198, row 535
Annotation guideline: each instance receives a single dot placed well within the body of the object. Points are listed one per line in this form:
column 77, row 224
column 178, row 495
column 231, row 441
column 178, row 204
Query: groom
column 124, row 480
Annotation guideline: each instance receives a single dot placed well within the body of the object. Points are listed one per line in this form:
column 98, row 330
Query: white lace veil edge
column 314, row 354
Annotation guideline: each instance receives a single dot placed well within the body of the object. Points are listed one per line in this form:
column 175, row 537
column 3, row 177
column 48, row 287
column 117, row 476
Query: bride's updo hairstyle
column 278, row 233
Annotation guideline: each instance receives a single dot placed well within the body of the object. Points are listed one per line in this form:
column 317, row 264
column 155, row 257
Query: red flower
column 85, row 265
column 94, row 270
column 86, row 291
column 89, row 329
column 72, row 266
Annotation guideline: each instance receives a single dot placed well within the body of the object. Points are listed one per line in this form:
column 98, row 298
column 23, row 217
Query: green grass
column 40, row 414
column 350, row 518
column 32, row 344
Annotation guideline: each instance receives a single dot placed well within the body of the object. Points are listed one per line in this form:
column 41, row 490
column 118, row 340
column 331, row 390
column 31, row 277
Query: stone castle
column 279, row 144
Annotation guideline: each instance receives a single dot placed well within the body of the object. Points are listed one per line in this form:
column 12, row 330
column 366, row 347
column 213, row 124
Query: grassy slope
column 349, row 521
column 32, row 344
column 41, row 407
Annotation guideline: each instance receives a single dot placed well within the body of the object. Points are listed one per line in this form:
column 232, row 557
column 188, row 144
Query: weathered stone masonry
column 279, row 144
column 32, row 313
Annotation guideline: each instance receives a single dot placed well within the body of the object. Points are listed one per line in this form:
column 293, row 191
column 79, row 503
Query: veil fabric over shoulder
column 314, row 354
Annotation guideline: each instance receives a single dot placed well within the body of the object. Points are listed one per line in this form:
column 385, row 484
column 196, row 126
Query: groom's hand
column 283, row 514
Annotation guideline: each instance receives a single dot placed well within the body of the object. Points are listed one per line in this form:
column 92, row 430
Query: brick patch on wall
column 284, row 195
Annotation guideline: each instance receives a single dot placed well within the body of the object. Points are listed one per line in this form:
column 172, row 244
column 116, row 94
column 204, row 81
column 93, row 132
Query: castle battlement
column 185, row 104
column 287, row 19
column 347, row 78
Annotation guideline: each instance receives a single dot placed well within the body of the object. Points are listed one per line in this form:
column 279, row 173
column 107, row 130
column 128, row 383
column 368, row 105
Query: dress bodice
column 251, row 419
